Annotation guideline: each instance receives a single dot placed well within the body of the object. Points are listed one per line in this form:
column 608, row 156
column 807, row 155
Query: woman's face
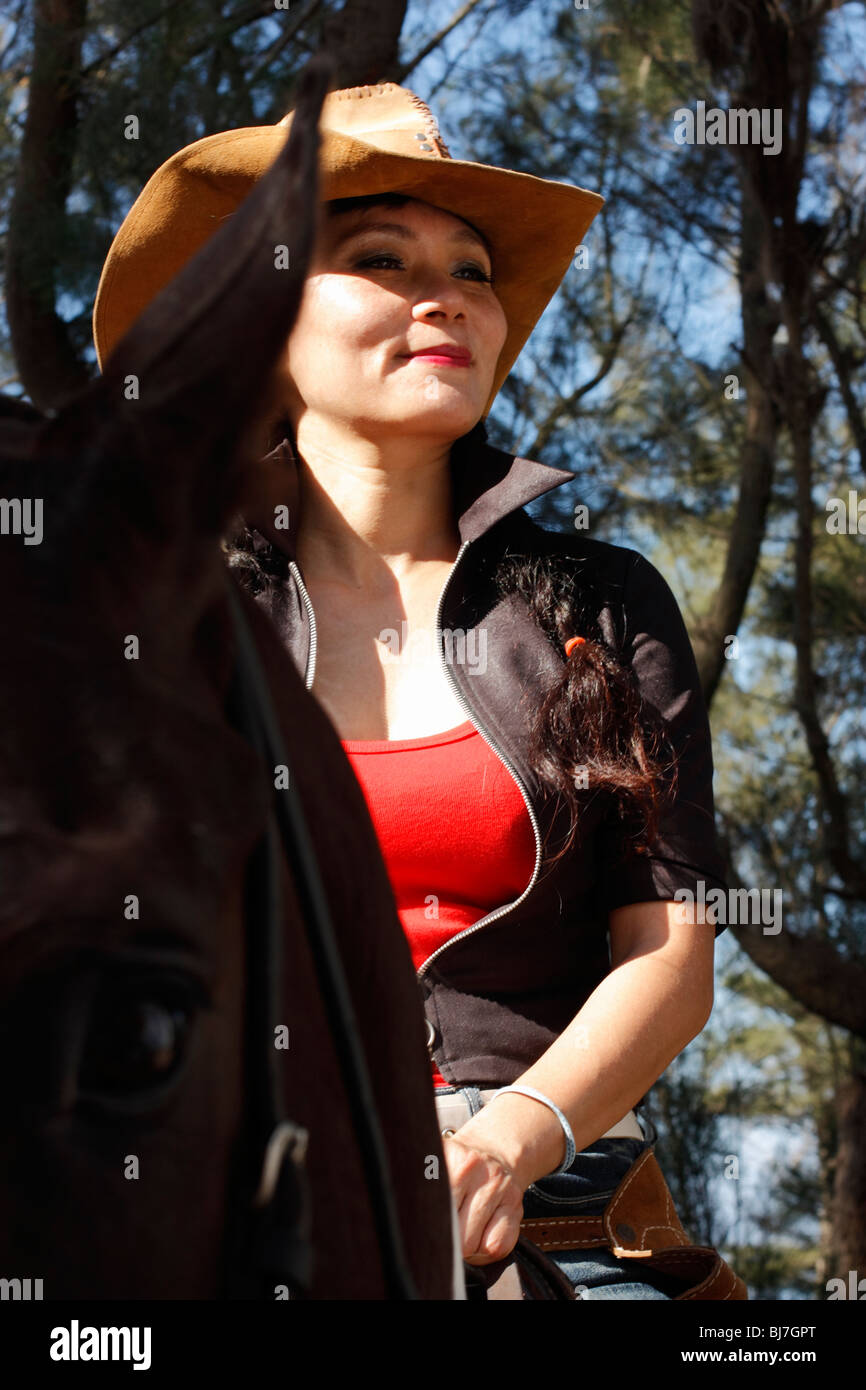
column 385, row 283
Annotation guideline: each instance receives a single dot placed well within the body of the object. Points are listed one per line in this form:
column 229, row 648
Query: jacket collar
column 488, row 485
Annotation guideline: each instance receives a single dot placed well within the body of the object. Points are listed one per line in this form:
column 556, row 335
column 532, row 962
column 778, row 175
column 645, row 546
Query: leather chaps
column 639, row 1223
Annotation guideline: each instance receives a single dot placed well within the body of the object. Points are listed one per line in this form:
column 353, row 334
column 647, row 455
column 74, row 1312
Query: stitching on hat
column 352, row 93
column 430, row 123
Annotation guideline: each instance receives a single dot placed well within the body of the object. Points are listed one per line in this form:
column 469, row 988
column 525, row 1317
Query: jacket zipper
column 309, row 676
column 310, row 671
column 507, row 907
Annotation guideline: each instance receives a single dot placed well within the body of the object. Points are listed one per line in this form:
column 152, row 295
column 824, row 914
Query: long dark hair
column 591, row 732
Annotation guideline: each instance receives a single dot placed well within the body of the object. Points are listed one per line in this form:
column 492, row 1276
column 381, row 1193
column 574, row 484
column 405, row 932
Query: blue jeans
column 585, row 1190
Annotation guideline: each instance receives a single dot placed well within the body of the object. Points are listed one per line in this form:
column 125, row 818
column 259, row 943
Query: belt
column 452, row 1109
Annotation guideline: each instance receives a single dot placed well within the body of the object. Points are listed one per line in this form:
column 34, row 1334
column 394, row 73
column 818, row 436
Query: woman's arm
column 656, row 998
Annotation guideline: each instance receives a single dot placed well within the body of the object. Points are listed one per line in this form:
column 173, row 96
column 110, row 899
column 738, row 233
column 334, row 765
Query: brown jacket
column 501, row 991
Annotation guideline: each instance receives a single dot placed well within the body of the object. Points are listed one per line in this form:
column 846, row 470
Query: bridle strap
column 277, row 1185
column 268, row 1228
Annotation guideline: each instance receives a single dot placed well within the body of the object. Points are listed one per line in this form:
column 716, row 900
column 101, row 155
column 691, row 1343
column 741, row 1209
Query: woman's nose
column 439, row 293
column 437, row 308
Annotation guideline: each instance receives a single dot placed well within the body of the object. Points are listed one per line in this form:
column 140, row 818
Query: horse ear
column 19, row 424
column 201, row 355
column 15, row 408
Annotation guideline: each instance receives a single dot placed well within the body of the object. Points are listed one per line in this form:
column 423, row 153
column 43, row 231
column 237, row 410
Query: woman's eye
column 374, row 260
column 480, row 272
column 477, row 271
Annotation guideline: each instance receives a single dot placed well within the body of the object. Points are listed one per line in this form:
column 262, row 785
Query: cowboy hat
column 374, row 139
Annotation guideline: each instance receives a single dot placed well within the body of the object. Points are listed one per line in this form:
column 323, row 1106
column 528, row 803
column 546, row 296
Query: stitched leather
column 642, row 1205
column 564, row 1232
column 640, row 1223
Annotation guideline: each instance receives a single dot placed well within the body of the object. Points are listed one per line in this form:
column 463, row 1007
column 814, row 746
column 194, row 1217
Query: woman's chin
column 449, row 412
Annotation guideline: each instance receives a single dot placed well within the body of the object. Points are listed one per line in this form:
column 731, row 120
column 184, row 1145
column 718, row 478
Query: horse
column 216, row 1080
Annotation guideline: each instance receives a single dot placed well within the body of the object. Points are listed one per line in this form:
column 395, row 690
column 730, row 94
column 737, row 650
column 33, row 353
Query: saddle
column 639, row 1223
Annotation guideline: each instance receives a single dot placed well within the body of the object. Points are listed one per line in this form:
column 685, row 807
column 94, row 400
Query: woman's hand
column 488, row 1195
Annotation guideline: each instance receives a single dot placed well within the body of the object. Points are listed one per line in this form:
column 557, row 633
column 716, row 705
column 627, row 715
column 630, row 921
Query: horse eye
column 138, row 1033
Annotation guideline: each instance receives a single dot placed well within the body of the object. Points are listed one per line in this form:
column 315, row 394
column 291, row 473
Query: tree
column 110, row 95
column 724, row 460
column 716, row 443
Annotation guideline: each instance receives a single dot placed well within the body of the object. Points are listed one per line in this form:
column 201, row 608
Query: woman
column 521, row 707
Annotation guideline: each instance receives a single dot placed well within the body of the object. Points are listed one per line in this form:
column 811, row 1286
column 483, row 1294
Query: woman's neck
column 365, row 504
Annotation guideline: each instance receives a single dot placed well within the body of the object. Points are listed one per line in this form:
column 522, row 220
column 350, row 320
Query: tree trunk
column 820, row 977
column 825, row 1132
column 48, row 365
column 363, row 39
column 848, row 1220
column 757, row 456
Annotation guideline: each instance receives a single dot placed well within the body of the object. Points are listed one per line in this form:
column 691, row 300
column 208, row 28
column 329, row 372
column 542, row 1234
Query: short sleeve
column 685, row 853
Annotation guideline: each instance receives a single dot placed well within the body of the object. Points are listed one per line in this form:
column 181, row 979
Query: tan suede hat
column 374, row 139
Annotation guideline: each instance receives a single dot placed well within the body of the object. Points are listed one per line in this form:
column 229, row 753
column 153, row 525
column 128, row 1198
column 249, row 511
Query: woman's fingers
column 491, row 1218
column 498, row 1238
column 488, row 1200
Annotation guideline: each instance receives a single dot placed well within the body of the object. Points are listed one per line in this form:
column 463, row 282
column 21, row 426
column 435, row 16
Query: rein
column 272, row 1241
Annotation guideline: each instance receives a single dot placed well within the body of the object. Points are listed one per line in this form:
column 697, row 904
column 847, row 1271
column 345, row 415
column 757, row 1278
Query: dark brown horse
column 140, row 857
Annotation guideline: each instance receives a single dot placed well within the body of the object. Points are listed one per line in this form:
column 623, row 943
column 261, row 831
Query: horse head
column 130, row 807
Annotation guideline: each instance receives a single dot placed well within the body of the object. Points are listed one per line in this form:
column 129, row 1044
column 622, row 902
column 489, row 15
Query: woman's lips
column 443, row 359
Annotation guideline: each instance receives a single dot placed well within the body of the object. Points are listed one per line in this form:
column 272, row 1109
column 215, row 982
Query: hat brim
column 534, row 225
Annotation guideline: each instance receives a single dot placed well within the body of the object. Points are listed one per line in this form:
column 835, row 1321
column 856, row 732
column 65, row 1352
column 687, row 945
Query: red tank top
column 453, row 828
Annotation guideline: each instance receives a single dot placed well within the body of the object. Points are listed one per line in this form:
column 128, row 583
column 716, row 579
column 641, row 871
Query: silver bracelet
column 570, row 1147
